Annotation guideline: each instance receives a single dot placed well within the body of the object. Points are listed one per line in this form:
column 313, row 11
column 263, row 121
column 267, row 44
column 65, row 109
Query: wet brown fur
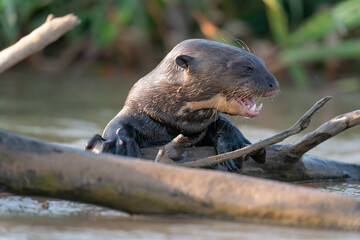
column 184, row 94
column 216, row 70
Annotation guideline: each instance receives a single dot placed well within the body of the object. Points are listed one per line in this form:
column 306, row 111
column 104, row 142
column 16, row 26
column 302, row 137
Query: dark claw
column 138, row 152
column 93, row 141
column 121, row 144
column 130, row 149
column 259, row 156
column 133, row 149
column 107, row 146
column 120, row 147
column 233, row 165
column 126, row 145
column 226, row 137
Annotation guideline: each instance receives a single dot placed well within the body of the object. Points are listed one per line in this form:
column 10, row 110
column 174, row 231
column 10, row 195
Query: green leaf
column 278, row 21
column 347, row 49
column 103, row 30
column 107, row 36
column 8, row 21
column 343, row 17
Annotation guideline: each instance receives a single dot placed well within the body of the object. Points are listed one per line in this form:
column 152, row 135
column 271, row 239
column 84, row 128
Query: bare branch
column 37, row 40
column 299, row 126
column 172, row 150
column 324, row 132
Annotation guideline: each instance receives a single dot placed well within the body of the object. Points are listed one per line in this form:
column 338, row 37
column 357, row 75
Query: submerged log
column 279, row 166
column 29, row 166
column 283, row 162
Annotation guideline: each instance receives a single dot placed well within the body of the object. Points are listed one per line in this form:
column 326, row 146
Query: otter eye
column 248, row 69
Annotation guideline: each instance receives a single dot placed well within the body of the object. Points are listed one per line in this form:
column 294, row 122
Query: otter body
column 185, row 94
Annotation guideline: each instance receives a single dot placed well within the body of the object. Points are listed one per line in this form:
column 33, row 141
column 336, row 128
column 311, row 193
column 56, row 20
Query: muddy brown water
column 69, row 109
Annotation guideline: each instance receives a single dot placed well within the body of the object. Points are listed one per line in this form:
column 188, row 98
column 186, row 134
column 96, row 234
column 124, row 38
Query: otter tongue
column 250, row 106
column 249, row 103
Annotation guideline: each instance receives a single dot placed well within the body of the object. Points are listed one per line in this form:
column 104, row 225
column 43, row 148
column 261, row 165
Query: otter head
column 218, row 76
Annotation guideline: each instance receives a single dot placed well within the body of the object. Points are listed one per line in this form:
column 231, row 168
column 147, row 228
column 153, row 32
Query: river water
column 70, row 108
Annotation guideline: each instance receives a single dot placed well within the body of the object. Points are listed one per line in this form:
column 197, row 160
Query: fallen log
column 29, row 166
column 279, row 166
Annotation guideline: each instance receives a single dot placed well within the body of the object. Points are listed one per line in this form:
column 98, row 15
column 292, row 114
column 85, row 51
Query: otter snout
column 269, row 85
column 272, row 83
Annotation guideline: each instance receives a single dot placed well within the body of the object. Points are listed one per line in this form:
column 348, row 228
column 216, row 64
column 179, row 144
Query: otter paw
column 125, row 145
column 233, row 165
column 94, row 144
column 98, row 144
column 230, row 142
column 120, row 145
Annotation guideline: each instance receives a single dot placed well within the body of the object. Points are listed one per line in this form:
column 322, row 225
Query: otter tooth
column 259, row 107
column 253, row 108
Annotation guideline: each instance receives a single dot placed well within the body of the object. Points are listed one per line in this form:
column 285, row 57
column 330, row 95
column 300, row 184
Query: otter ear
column 184, row 61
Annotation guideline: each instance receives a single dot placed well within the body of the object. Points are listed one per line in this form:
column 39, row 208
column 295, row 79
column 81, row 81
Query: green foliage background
column 133, row 35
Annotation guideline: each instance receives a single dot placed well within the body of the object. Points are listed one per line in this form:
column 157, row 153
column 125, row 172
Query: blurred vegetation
column 296, row 38
column 329, row 25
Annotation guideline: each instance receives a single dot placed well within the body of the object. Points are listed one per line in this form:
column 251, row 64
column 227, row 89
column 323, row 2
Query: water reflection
column 25, row 218
column 351, row 189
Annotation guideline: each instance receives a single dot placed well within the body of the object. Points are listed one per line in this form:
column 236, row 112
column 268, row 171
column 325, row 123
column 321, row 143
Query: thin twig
column 37, row 40
column 299, row 126
column 324, row 132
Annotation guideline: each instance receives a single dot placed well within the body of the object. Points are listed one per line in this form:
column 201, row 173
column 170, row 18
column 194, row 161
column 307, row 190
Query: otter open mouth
column 250, row 107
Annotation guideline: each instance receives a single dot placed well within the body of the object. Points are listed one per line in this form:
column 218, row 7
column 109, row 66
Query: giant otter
column 184, row 94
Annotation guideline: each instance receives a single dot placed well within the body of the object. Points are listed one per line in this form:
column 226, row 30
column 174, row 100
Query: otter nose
column 272, row 82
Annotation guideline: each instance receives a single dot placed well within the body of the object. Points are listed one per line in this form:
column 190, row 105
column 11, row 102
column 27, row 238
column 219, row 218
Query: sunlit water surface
column 70, row 109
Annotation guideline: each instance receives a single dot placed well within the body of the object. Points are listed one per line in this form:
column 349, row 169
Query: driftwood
column 37, row 40
column 29, row 166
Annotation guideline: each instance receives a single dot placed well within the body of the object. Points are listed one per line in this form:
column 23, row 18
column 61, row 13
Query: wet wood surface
column 29, row 166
